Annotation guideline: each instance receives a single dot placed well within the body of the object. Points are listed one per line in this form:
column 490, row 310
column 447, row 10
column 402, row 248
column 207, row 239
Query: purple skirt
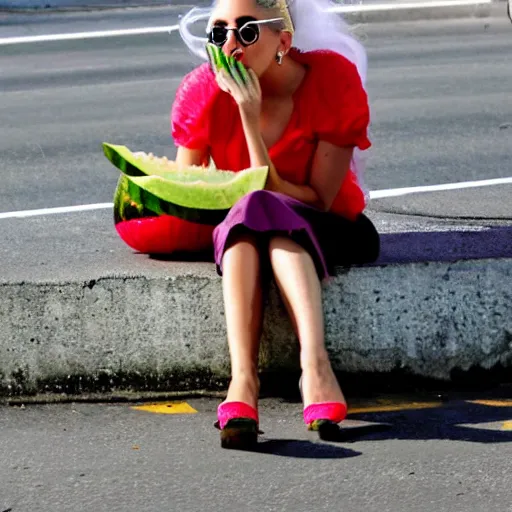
column 330, row 239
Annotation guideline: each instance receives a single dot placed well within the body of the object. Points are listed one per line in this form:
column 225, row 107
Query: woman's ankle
column 317, row 361
column 244, row 387
column 319, row 383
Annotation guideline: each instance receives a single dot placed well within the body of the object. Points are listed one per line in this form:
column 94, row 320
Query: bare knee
column 283, row 243
column 242, row 256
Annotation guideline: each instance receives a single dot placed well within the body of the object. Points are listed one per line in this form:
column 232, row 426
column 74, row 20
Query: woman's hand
column 247, row 95
column 248, row 98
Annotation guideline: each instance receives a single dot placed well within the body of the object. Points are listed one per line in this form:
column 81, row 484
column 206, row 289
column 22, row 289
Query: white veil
column 317, row 27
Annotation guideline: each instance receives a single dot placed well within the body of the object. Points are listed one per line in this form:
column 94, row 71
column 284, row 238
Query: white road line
column 376, row 194
column 49, row 211
column 88, row 35
column 159, row 30
column 395, row 192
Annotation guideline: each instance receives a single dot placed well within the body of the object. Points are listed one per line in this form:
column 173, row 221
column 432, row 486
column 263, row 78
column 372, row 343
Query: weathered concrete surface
column 428, row 318
column 87, row 314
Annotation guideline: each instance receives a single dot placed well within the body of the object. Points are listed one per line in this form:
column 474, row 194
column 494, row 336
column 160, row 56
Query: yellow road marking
column 166, row 408
column 493, row 403
column 394, row 407
column 493, row 426
column 184, row 408
column 507, row 425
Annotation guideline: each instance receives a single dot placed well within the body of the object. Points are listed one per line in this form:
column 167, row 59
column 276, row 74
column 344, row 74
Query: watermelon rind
column 132, row 202
column 201, row 193
column 193, row 187
column 219, row 60
column 242, row 70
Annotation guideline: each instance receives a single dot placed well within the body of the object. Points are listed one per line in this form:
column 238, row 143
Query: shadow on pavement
column 303, row 449
column 456, row 421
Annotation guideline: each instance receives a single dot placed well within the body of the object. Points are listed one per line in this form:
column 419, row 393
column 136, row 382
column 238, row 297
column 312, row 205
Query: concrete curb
column 426, row 316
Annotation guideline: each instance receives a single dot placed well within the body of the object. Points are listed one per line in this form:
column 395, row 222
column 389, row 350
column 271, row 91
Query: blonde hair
column 279, row 8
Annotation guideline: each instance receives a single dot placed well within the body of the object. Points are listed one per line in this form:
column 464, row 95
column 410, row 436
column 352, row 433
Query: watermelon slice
column 194, row 193
column 219, row 60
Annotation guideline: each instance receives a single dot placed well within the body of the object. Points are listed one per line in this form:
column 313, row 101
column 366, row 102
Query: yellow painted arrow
column 166, row 408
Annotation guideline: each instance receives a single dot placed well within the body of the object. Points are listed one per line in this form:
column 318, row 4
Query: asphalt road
column 454, row 455
column 441, row 108
column 440, row 94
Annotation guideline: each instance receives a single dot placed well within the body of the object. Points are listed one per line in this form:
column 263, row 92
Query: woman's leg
column 297, row 279
column 243, row 308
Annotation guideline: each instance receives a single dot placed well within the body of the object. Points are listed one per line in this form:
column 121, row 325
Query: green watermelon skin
column 152, row 230
column 219, row 60
column 190, row 188
column 133, row 202
column 122, row 164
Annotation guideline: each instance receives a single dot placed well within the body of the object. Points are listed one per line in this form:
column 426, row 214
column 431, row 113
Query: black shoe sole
column 239, row 434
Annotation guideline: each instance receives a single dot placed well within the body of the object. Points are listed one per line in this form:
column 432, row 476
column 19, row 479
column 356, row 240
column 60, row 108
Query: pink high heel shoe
column 320, row 414
column 323, row 417
column 238, row 423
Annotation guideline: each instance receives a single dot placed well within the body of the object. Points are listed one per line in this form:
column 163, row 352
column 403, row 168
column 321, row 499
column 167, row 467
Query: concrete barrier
column 435, row 302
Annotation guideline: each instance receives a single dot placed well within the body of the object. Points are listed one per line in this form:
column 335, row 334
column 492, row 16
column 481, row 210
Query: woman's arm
column 329, row 168
column 259, row 156
column 185, row 157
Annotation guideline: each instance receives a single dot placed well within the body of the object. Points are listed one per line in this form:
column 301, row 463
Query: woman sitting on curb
column 304, row 114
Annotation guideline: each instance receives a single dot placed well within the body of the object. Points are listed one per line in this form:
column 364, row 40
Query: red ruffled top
column 330, row 104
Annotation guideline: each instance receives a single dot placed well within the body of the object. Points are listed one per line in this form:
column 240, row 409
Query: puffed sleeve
column 191, row 106
column 342, row 114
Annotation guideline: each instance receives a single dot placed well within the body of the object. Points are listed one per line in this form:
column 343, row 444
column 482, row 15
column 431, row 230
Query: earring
column 279, row 57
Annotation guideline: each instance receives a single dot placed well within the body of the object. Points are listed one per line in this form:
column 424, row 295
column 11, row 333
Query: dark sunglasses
column 247, row 34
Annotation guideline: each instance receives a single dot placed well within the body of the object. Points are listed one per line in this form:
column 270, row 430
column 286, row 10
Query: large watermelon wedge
column 162, row 209
column 194, row 193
